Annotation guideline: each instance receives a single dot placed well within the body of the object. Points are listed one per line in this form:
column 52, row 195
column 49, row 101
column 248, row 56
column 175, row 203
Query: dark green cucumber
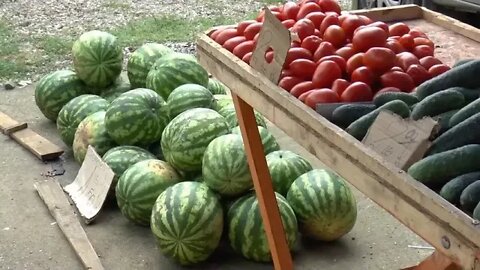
column 383, row 98
column 467, row 132
column 470, row 197
column 438, row 103
column 462, row 61
column 465, row 75
column 465, row 112
column 443, row 120
column 359, row 128
column 348, row 113
column 476, row 212
column 452, row 190
column 470, row 95
column 436, row 170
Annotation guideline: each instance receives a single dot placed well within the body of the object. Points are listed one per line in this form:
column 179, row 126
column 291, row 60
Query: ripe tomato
column 398, row 29
column 317, row 33
column 345, row 52
column 396, row 68
column 423, row 41
column 369, row 37
column 379, row 59
column 363, row 74
column 233, row 42
column 407, row 42
column 297, row 53
column 438, row 69
column 329, row 20
column 290, row 10
column 289, row 82
column 308, row 8
column 350, row 24
column 330, row 5
column 342, row 64
column 303, row 68
column 243, row 48
column 325, row 48
column 247, row 57
column 339, row 85
column 355, row 62
column 304, row 28
column 366, row 20
column 303, row 96
column 225, row 35
column 398, row 79
column 429, row 61
column 335, row 35
column 252, row 30
column 311, row 43
column 301, row 88
column 421, row 51
column 397, row 38
column 323, row 95
column 395, row 46
column 326, row 73
column 381, row 25
column 357, row 92
column 286, row 73
column 418, row 73
column 295, row 44
column 417, row 33
column 243, row 25
column 269, row 56
column 387, row 89
column 316, row 17
column 288, row 23
column 406, row 59
column 215, row 33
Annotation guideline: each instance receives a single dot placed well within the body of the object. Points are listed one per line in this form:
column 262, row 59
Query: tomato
column 355, row 62
column 247, row 57
column 396, row 68
column 290, row 10
column 423, row 41
column 387, row 89
column 397, row 38
column 289, row 82
column 418, row 73
column 304, row 28
column 329, row 20
column 357, row 92
column 323, row 95
column 366, row 20
column 301, row 88
column 260, row 16
column 330, row 5
column 379, row 59
column 243, row 25
column 369, row 37
column 363, row 74
column 342, row 64
column 350, row 24
column 316, row 17
column 339, row 85
column 345, row 52
column 421, row 51
column 308, row 8
column 398, row 79
column 318, row 34
column 335, row 35
column 417, row 33
column 269, row 56
column 326, row 73
column 303, row 68
column 406, row 59
column 297, row 53
column 395, row 46
column 295, row 44
column 225, row 35
column 303, row 96
column 429, row 61
column 286, row 73
column 407, row 42
column 288, row 23
column 215, row 33
column 381, row 25
column 243, row 48
column 311, row 43
column 438, row 69
column 398, row 29
column 252, row 30
column 233, row 42
column 325, row 48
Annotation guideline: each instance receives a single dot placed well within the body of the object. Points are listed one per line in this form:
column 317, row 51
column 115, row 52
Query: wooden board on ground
column 453, row 233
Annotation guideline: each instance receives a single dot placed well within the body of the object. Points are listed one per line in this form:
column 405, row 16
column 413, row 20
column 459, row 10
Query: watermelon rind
column 269, row 142
column 216, row 87
column 222, row 101
column 120, row 86
column 189, row 96
column 141, row 60
column 231, row 116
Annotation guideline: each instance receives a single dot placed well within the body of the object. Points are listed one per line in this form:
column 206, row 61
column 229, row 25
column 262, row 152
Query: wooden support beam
column 436, row 261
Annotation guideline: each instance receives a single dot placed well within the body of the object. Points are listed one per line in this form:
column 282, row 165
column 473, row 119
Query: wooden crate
column 455, row 236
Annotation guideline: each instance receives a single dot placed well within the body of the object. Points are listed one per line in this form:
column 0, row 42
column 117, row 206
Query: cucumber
column 467, row 132
column 462, row 61
column 438, row 103
column 383, row 98
column 476, row 212
column 465, row 75
column 470, row 95
column 359, row 128
column 443, row 120
column 465, row 112
column 348, row 113
column 437, row 169
column 470, row 197
column 452, row 190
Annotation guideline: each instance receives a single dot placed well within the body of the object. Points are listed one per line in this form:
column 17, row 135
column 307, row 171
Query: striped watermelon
column 141, row 60
column 225, row 167
column 55, row 90
column 137, row 117
column 189, row 96
column 173, row 70
column 187, row 221
column 97, row 58
column 286, row 166
column 231, row 116
column 120, row 86
column 216, row 87
column 246, row 231
column 268, row 140
column 91, row 131
column 186, row 137
column 75, row 111
column 139, row 187
column 324, row 205
column 222, row 101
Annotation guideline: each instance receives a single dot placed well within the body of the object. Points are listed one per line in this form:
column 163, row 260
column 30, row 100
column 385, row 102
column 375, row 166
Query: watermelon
column 173, row 70
column 225, row 167
column 189, row 96
column 268, row 140
column 137, row 117
column 324, row 205
column 216, row 87
column 156, row 149
column 141, row 60
column 91, row 131
column 286, row 166
column 187, row 222
column 140, row 185
column 222, row 101
column 246, row 231
column 97, row 58
column 75, row 111
column 231, row 116
column 120, row 86
column 55, row 90
column 186, row 137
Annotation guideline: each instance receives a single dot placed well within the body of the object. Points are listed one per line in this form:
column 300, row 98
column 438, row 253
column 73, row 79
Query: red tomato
column 350, row 24
column 288, row 23
column 215, row 33
column 301, row 88
column 330, row 5
column 297, row 53
column 357, row 92
column 311, row 43
column 397, row 38
column 421, row 51
column 225, row 35
column 252, row 30
column 417, row 33
column 269, row 56
column 303, row 96
column 369, row 37
column 243, row 25
column 345, row 52
column 387, row 89
column 329, row 20
column 303, row 68
column 326, row 73
column 317, row 33
column 418, row 73
column 335, row 35
column 286, row 73
column 290, row 10
column 355, row 62
column 366, row 20
column 407, row 42
column 243, row 48
column 339, row 85
column 247, row 57
column 325, row 48
column 233, row 42
column 398, row 79
column 363, row 74
column 316, row 17
column 406, row 59
column 381, row 25
column 395, row 46
column 342, row 64
column 396, row 68
column 275, row 8
column 289, row 82
column 379, row 59
column 295, row 44
column 342, row 17
column 323, row 95
column 308, row 8
column 260, row 16
column 438, row 69
column 429, row 61
column 423, row 41
column 304, row 28
column 398, row 29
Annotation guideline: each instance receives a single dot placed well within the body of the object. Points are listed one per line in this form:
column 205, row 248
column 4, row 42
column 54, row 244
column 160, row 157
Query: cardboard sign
column 400, row 141
column 91, row 185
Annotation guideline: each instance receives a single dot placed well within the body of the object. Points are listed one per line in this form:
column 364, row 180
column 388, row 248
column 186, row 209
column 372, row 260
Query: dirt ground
column 30, row 238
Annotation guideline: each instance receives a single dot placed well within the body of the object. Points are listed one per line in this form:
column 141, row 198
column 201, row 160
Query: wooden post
column 436, row 261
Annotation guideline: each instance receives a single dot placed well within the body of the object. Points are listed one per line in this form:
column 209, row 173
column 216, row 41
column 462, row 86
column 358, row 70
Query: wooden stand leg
column 436, row 261
column 272, row 221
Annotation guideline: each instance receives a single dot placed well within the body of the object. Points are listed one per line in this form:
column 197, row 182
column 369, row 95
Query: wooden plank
column 418, row 207
column 396, row 13
column 9, row 125
column 38, row 145
column 436, row 261
column 52, row 194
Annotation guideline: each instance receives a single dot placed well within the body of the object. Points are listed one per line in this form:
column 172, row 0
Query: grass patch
column 9, row 53
column 55, row 45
